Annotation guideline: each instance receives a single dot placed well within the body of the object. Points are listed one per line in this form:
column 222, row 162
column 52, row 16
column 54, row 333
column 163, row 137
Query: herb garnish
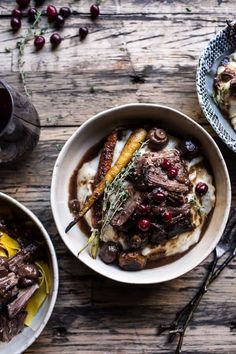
column 21, row 48
column 113, row 199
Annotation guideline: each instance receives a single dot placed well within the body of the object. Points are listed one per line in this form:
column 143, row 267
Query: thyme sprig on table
column 21, row 49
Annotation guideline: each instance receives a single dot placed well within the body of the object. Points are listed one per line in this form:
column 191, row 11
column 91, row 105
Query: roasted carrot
column 132, row 145
column 104, row 166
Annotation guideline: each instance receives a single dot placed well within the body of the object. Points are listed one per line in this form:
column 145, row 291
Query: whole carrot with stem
column 131, row 146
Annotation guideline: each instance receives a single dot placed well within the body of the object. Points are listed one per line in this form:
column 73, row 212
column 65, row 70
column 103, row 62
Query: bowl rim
column 63, row 153
column 54, row 263
column 220, row 130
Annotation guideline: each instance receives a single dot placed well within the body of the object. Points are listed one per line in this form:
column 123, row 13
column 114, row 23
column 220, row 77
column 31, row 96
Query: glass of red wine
column 19, row 125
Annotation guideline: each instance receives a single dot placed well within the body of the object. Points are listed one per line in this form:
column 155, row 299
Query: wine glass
column 19, row 125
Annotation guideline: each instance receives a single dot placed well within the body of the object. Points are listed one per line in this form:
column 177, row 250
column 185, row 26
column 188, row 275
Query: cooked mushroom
column 132, row 261
column 157, row 139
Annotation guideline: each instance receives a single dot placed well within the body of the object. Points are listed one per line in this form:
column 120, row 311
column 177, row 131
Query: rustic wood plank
column 137, row 51
column 131, row 65
column 142, row 6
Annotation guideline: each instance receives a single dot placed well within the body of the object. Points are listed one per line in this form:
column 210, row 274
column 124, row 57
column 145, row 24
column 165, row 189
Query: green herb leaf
column 188, row 9
column 7, row 50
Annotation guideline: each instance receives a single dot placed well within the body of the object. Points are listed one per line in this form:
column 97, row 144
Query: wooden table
column 137, row 51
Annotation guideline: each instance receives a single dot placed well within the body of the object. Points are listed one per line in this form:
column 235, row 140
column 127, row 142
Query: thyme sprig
column 194, row 201
column 113, row 199
column 21, row 51
column 115, row 194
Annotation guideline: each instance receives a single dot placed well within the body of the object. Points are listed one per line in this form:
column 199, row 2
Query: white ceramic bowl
column 23, row 340
column 92, row 132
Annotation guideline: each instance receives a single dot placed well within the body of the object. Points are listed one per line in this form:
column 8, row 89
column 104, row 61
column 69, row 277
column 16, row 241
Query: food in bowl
column 225, row 88
column 25, row 279
column 143, row 195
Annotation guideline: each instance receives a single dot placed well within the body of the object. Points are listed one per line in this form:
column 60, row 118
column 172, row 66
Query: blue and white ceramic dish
column 219, row 47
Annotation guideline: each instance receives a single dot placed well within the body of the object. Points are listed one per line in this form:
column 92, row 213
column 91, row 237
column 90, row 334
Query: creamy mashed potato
column 181, row 242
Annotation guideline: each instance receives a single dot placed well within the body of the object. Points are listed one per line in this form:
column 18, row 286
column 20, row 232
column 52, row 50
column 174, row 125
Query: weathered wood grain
column 133, row 59
column 141, row 6
column 137, row 51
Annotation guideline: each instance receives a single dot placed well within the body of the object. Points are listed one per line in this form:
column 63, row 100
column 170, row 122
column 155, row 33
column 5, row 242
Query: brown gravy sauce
column 85, row 228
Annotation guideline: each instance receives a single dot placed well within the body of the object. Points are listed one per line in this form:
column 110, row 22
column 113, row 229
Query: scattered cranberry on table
column 60, row 21
column 94, row 11
column 23, row 3
column 166, row 165
column 201, row 188
column 172, row 172
column 15, row 23
column 65, row 12
column 52, row 13
column 83, row 32
column 39, row 42
column 16, row 13
column 32, row 13
column 55, row 39
column 144, row 224
column 167, row 216
column 158, row 196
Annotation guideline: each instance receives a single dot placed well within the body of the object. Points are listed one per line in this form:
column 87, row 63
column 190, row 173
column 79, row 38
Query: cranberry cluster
column 54, row 16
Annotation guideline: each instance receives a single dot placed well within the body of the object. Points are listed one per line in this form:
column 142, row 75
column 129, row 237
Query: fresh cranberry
column 51, row 12
column 55, row 39
column 172, row 172
column 16, row 13
column 39, row 42
column 94, row 11
column 189, row 148
column 158, row 196
column 166, row 165
column 15, row 23
column 23, row 3
column 83, row 32
column 167, row 216
column 144, row 224
column 32, row 13
column 143, row 208
column 65, row 12
column 60, row 21
column 201, row 188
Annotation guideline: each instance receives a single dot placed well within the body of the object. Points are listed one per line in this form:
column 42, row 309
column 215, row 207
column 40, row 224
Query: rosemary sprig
column 21, row 49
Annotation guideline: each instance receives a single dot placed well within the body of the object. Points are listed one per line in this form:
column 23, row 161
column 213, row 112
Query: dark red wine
column 5, row 108
column 19, row 125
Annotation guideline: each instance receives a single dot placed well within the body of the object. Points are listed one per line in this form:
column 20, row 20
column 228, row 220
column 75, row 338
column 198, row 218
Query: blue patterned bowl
column 220, row 46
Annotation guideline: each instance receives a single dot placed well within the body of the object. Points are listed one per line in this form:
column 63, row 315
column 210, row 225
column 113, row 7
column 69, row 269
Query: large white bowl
column 23, row 340
column 92, row 132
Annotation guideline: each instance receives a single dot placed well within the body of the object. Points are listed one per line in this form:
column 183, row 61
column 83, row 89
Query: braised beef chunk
column 9, row 328
column 127, row 209
column 149, row 173
column 20, row 302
